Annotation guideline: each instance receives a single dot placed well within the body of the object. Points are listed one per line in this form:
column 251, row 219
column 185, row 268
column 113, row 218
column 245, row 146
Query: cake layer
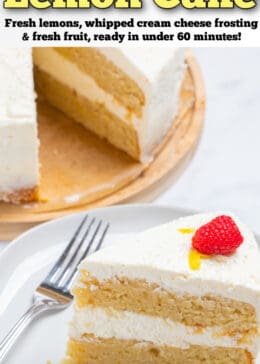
column 108, row 323
column 139, row 297
column 93, row 350
column 107, row 75
column 95, row 116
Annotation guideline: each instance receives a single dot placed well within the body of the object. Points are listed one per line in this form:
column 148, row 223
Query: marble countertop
column 224, row 173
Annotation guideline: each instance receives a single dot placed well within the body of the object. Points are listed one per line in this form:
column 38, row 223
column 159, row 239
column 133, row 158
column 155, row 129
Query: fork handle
column 10, row 339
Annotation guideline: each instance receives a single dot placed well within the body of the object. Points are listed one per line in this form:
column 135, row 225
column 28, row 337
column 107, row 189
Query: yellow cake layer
column 114, row 351
column 21, row 196
column 138, row 296
column 93, row 116
column 107, row 75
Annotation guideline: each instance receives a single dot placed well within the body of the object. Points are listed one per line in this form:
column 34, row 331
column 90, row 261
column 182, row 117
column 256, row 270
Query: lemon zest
column 186, row 230
column 195, row 259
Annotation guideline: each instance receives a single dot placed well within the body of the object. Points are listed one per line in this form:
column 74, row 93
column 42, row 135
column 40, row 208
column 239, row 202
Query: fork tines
column 88, row 238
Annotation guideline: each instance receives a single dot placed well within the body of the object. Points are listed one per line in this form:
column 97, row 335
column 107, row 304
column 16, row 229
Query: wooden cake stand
column 79, row 171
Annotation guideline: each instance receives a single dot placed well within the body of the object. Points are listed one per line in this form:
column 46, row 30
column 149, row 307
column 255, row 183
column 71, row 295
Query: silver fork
column 54, row 292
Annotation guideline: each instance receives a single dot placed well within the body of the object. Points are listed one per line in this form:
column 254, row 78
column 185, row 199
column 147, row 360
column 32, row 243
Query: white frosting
column 18, row 130
column 160, row 255
column 158, row 73
column 16, row 88
column 129, row 325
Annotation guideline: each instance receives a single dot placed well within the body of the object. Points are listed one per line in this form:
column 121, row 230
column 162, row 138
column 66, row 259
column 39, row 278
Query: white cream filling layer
column 128, row 325
column 161, row 92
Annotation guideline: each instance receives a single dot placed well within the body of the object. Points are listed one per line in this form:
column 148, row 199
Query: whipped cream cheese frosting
column 160, row 255
column 16, row 87
column 18, row 129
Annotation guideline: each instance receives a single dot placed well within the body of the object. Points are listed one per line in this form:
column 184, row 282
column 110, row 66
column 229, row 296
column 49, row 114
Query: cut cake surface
column 129, row 97
column 141, row 299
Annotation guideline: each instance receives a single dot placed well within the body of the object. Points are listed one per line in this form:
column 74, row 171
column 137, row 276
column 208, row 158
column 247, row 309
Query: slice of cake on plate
column 18, row 129
column 184, row 292
column 127, row 96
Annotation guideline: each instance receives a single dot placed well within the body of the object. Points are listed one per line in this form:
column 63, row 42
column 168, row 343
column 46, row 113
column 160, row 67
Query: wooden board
column 79, row 171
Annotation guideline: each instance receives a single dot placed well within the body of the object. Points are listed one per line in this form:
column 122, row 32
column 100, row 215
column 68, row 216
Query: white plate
column 27, row 260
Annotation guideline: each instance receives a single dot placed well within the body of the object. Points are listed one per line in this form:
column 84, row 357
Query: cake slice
column 156, row 298
column 129, row 96
column 18, row 129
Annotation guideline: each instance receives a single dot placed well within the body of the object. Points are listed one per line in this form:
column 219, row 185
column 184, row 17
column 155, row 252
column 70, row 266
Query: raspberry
column 219, row 236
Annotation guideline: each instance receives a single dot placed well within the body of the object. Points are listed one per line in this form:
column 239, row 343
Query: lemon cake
column 185, row 292
column 18, row 128
column 127, row 96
